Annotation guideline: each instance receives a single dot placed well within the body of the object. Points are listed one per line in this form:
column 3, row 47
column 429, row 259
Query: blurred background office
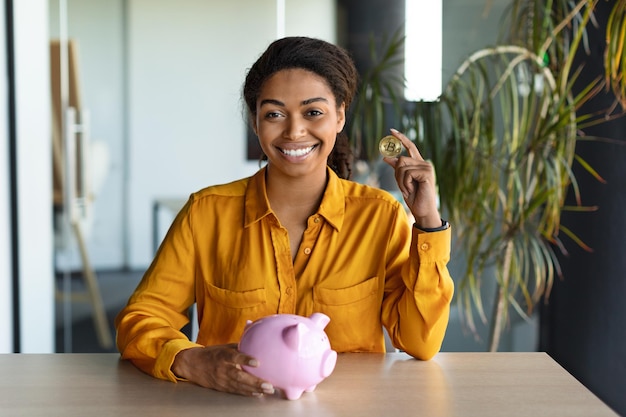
column 160, row 84
column 157, row 85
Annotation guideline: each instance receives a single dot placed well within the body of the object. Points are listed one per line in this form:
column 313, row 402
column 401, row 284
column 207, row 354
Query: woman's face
column 297, row 122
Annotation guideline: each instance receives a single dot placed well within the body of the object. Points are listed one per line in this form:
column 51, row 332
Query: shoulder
column 216, row 192
column 355, row 191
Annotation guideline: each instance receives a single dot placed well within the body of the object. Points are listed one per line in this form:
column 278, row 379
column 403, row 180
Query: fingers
column 416, row 181
column 237, row 380
column 221, row 368
column 409, row 169
column 412, row 150
column 417, row 184
column 409, row 175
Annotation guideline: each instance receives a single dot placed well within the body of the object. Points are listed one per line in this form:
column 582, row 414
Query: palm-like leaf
column 512, row 143
column 379, row 89
column 502, row 139
column 615, row 54
column 508, row 155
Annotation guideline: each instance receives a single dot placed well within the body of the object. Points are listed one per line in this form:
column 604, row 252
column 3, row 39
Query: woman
column 294, row 238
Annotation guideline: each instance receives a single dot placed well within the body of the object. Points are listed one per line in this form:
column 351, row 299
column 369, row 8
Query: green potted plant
column 378, row 104
column 502, row 138
column 505, row 149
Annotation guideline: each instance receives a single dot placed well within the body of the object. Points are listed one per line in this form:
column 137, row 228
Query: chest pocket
column 226, row 312
column 354, row 315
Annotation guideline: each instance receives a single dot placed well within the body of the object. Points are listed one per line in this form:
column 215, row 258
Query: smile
column 298, row 152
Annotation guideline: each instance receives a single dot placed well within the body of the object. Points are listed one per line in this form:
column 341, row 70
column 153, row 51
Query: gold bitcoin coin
column 390, row 146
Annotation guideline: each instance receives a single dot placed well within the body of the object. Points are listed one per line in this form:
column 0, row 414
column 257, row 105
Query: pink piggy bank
column 294, row 353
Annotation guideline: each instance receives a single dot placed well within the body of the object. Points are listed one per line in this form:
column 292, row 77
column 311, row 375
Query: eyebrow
column 303, row 103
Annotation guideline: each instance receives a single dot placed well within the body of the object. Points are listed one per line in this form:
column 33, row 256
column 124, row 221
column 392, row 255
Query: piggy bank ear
column 321, row 320
column 292, row 335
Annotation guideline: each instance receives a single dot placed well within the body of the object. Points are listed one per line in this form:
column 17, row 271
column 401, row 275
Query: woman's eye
column 314, row 113
column 272, row 115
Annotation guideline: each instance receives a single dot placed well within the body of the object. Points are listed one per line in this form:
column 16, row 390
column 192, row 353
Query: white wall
column 6, row 289
column 166, row 112
column 34, row 176
column 187, row 62
column 186, row 123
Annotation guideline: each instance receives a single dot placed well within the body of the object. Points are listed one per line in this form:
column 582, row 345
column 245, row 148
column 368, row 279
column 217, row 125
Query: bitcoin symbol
column 390, row 146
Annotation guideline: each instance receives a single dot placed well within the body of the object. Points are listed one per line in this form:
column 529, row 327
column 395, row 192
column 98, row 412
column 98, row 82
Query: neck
column 295, row 192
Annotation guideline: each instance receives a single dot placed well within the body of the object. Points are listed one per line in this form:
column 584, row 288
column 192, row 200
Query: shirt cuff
column 431, row 247
column 165, row 360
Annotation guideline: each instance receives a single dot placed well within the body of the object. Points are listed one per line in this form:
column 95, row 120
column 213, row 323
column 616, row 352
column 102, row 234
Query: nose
column 295, row 128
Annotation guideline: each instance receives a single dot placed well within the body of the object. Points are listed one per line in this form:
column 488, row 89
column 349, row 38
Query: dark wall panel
column 584, row 324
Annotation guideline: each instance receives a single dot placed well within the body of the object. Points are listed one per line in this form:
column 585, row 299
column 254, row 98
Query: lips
column 297, row 152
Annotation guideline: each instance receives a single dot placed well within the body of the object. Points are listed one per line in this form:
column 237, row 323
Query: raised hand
column 416, row 180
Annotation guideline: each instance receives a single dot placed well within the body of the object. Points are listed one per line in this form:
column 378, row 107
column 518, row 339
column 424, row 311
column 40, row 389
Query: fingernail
column 257, row 394
column 267, row 388
column 394, row 130
column 253, row 362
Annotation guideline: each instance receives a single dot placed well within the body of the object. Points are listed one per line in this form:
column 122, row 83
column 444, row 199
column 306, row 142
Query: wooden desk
column 451, row 384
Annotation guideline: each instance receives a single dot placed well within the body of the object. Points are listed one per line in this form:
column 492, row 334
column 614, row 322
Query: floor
column 75, row 331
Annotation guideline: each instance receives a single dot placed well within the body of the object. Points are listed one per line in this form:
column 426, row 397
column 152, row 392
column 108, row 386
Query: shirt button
column 316, row 220
column 288, row 290
column 424, row 246
column 307, row 251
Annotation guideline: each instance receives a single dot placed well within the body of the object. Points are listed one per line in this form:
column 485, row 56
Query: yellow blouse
column 360, row 262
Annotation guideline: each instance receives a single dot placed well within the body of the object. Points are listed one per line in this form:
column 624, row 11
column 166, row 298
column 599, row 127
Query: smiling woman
column 291, row 239
column 335, row 87
column 297, row 122
column 297, row 131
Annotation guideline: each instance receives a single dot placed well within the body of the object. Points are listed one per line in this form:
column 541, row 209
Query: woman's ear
column 341, row 117
column 253, row 125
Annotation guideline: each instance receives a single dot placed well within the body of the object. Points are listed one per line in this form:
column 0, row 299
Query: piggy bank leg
column 293, row 393
column 311, row 388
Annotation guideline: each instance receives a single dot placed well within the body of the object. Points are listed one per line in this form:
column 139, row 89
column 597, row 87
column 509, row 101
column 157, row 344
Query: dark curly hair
column 329, row 61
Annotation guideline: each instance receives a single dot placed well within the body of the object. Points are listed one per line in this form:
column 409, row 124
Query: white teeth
column 297, row 152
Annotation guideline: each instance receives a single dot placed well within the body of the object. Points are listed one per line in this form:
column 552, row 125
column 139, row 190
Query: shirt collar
column 256, row 204
column 332, row 207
